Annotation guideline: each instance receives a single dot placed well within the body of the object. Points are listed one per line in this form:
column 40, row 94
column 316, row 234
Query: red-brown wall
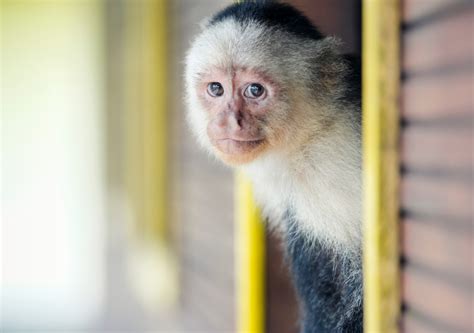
column 436, row 165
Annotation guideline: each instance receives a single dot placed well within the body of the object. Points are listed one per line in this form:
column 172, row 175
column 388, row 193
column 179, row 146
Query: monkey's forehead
column 228, row 44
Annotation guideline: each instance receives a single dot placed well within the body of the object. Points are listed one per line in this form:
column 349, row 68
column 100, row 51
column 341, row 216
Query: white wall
column 52, row 164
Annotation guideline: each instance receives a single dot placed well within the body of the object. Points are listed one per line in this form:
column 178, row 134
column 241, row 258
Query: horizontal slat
column 416, row 10
column 437, row 299
column 426, row 98
column 411, row 324
column 434, row 198
column 439, row 149
column 417, row 322
column 438, row 246
column 441, row 44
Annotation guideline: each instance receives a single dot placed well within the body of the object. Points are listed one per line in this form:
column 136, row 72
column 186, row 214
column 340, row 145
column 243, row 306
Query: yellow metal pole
column 155, row 124
column 146, row 77
column 380, row 91
column 250, row 260
column 145, row 69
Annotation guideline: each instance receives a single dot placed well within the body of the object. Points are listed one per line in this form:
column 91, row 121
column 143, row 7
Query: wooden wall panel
column 282, row 306
column 340, row 18
column 438, row 244
column 439, row 44
column 445, row 301
column 421, row 9
column 428, row 99
column 437, row 149
column 437, row 165
column 436, row 197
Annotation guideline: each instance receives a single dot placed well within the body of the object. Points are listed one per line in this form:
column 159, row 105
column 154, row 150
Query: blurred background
column 104, row 194
column 113, row 220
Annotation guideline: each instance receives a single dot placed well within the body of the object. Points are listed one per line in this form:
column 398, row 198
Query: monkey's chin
column 234, row 153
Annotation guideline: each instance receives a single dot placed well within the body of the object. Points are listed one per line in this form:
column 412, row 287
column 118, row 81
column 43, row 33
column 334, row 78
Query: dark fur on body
column 328, row 284
column 322, row 150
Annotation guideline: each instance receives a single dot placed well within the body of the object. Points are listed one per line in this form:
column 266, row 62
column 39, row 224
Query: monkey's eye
column 215, row 89
column 254, row 90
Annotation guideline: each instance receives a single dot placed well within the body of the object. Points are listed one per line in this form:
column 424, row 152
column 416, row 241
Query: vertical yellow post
column 155, row 109
column 146, row 111
column 380, row 91
column 145, row 78
column 250, row 260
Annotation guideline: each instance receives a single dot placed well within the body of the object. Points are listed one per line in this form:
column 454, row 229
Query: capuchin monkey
column 270, row 95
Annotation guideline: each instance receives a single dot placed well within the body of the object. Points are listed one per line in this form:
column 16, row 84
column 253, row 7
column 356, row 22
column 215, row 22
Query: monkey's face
column 237, row 103
column 246, row 88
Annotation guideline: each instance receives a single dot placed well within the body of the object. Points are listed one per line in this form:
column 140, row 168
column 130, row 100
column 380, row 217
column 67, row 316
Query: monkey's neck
column 320, row 183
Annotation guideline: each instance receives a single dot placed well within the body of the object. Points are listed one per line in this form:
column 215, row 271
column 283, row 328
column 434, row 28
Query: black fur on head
column 272, row 14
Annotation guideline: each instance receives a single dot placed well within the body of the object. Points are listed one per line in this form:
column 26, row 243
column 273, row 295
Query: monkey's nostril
column 239, row 117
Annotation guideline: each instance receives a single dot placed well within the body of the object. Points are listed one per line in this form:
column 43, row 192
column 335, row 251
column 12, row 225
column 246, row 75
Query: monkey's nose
column 230, row 120
column 235, row 120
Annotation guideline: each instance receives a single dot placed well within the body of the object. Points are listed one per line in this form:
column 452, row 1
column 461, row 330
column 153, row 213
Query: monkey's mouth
column 234, row 147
